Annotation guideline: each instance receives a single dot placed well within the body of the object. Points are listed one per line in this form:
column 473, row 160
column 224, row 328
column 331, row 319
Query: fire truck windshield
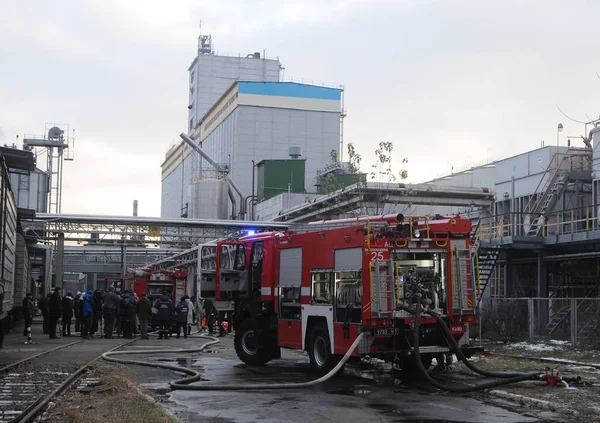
column 422, row 277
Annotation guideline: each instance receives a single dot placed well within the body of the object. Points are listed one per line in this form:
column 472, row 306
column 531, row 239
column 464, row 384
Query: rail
column 561, row 222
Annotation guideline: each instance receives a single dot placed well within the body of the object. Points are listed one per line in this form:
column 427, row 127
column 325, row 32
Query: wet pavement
column 341, row 399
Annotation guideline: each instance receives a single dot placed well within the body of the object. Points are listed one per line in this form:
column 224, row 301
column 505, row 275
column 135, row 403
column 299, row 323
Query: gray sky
column 449, row 83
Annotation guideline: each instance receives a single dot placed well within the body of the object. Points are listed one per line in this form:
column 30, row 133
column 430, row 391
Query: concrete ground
column 341, row 399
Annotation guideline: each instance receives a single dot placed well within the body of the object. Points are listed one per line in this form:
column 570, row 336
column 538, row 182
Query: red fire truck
column 317, row 289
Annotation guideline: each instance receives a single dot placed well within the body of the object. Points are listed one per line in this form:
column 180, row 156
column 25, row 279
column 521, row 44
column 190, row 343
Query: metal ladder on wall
column 383, row 288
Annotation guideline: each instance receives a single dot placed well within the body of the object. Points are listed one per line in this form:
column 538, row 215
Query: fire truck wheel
column 246, row 346
column 321, row 358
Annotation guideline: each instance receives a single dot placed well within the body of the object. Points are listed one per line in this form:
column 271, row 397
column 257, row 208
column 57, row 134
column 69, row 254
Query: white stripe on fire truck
column 305, row 291
column 276, row 291
column 265, row 291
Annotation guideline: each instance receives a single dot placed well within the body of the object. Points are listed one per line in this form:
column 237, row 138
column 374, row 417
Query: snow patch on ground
column 559, row 342
column 539, row 347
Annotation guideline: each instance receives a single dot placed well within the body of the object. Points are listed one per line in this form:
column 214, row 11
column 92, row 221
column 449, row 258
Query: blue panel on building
column 289, row 89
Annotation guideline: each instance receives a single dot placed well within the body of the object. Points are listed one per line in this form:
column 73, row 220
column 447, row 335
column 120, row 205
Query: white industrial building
column 252, row 121
column 210, row 75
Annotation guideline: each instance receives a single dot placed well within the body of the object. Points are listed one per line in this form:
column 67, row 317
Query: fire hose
column 509, row 377
column 194, row 376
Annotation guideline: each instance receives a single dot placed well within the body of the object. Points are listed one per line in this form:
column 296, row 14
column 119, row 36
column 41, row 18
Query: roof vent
column 295, row 152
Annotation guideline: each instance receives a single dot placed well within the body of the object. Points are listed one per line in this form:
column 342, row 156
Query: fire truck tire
column 319, row 349
column 245, row 345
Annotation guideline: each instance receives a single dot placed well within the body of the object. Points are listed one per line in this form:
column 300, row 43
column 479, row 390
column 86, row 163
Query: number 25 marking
column 376, row 255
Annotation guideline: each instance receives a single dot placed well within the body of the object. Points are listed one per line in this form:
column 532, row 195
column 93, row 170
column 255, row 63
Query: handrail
column 454, row 279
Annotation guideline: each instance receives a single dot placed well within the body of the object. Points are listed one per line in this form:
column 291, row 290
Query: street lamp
column 558, row 131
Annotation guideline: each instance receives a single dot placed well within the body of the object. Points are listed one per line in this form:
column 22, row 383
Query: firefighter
column 67, row 313
column 87, row 313
column 182, row 317
column 190, row 319
column 55, row 312
column 164, row 307
column 28, row 315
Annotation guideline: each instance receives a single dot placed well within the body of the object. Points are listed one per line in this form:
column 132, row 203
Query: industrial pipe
column 214, row 164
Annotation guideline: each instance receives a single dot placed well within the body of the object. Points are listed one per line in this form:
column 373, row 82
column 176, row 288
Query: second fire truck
column 318, row 289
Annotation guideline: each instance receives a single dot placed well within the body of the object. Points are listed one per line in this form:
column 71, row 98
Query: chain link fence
column 576, row 320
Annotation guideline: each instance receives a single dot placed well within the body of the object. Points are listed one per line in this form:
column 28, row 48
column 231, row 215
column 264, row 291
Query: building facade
column 211, row 75
column 251, row 122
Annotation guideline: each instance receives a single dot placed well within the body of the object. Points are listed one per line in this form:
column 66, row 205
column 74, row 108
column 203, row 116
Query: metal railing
column 560, row 222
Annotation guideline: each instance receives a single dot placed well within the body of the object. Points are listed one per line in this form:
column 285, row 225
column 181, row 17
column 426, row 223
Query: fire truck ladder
column 383, row 288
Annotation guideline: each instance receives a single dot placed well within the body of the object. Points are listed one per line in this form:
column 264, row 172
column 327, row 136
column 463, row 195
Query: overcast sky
column 449, row 83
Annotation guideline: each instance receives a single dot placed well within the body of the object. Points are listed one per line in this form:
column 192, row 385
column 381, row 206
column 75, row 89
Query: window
column 322, row 288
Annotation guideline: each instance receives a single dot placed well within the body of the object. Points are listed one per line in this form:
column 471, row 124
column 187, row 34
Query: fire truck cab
column 317, row 290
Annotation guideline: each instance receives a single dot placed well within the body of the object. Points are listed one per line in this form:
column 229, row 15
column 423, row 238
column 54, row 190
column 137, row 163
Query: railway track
column 26, row 387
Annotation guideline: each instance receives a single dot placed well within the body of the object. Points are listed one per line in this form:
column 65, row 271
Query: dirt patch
column 579, row 400
column 106, row 395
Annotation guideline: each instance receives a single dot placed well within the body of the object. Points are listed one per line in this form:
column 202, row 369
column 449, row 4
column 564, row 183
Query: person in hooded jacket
column 182, row 317
column 67, row 313
column 164, row 306
column 127, row 313
column 97, row 309
column 77, row 310
column 87, row 312
column 55, row 311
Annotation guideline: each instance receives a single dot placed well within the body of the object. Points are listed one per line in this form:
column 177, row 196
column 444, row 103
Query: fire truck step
column 432, row 349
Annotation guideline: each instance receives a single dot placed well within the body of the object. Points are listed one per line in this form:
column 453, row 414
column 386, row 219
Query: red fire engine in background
column 317, row 290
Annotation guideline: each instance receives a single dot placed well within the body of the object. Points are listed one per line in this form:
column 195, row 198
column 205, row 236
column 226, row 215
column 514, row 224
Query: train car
column 8, row 243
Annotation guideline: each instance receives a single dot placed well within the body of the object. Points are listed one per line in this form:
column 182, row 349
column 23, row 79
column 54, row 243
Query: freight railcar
column 8, row 243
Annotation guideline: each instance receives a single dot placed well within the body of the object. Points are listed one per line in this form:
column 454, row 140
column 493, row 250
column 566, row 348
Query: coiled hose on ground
column 513, row 379
column 184, row 384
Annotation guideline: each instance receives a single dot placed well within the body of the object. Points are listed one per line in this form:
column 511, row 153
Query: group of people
column 122, row 313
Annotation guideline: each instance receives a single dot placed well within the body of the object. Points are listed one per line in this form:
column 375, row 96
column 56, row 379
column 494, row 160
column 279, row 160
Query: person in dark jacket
column 143, row 309
column 67, row 313
column 127, row 313
column 44, row 306
column 164, row 306
column 112, row 301
column 77, row 310
column 87, row 314
column 28, row 315
column 182, row 316
column 55, row 311
column 96, row 302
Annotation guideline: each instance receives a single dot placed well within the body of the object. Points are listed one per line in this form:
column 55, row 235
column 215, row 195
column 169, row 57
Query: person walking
column 111, row 303
column 77, row 311
column 55, row 311
column 182, row 317
column 199, row 311
column 28, row 315
column 164, row 306
column 96, row 302
column 190, row 317
column 87, row 313
column 67, row 313
column 143, row 310
column 127, row 313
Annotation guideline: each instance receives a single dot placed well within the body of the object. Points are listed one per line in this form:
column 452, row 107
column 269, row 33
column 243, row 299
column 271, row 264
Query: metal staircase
column 483, row 260
column 552, row 185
